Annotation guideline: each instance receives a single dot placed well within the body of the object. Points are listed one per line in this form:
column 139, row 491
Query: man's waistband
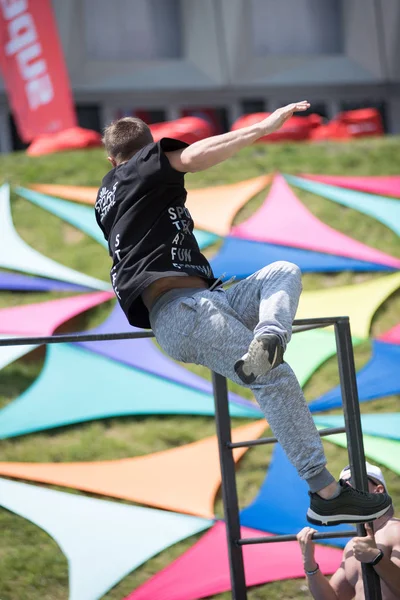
column 170, row 296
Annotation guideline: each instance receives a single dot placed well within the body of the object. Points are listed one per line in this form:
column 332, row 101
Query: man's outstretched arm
column 213, row 150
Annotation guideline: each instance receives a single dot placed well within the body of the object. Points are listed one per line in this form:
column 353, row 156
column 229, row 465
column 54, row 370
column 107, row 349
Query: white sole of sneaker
column 317, row 519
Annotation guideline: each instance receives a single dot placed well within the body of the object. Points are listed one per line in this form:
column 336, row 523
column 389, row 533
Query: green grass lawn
column 32, row 566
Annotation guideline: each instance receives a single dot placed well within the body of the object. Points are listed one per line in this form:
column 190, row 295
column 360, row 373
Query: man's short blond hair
column 123, row 138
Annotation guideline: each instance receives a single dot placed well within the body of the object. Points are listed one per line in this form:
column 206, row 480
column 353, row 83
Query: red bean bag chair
column 186, row 129
column 334, row 130
column 362, row 122
column 351, row 124
column 69, row 139
column 295, row 129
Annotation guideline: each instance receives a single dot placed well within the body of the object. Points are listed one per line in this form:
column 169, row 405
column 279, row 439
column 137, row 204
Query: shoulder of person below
column 391, row 531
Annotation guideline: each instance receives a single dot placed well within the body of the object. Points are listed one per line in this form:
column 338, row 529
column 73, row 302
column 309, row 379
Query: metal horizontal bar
column 273, row 440
column 299, row 328
column 298, row 325
column 75, row 337
column 292, row 537
column 320, row 321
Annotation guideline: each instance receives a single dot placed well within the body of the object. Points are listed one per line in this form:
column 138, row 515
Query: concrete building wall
column 224, row 62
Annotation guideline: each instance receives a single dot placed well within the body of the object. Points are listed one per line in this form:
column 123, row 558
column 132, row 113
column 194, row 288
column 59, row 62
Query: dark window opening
column 218, row 117
column 88, row 116
column 253, row 105
column 16, row 141
column 149, row 116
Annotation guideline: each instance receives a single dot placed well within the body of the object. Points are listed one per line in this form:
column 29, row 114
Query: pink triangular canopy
column 285, row 221
column 203, row 570
column 381, row 185
column 44, row 317
column 392, row 336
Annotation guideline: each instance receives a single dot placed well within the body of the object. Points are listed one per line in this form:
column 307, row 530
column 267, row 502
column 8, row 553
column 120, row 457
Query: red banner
column 33, row 67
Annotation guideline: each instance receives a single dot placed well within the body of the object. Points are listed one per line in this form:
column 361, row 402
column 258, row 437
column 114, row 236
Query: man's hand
column 304, row 537
column 365, row 548
column 281, row 115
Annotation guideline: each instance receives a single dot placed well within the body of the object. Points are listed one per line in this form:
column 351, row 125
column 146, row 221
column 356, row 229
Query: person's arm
column 209, row 152
column 338, row 588
column 388, row 569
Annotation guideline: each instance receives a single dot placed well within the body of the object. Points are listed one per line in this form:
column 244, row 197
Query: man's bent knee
column 280, row 266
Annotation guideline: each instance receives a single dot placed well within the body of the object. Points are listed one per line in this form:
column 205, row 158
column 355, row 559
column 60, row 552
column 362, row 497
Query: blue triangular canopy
column 282, row 502
column 386, row 425
column 22, row 283
column 76, row 385
column 143, row 354
column 103, row 541
column 383, row 209
column 380, row 377
column 243, row 257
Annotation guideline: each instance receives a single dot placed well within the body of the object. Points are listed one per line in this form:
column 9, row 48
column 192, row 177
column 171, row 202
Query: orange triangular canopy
column 183, row 479
column 77, row 193
column 212, row 208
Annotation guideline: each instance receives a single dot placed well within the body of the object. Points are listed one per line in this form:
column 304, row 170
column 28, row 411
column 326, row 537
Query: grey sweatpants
column 215, row 328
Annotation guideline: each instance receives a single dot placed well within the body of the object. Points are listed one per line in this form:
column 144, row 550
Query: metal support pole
column 229, row 491
column 355, row 445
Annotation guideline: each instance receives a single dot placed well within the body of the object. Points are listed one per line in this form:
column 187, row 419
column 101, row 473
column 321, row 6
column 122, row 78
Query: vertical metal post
column 229, row 491
column 355, row 445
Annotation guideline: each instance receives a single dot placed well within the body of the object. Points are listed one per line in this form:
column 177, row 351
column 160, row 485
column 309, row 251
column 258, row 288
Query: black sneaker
column 351, row 506
column 263, row 354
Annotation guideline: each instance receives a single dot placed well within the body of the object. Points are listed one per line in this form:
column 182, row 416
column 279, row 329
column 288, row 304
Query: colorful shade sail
column 183, row 479
column 86, row 195
column 308, row 350
column 392, row 336
column 40, row 319
column 385, row 210
column 77, row 193
column 9, row 354
column 16, row 255
column 284, row 220
column 102, row 541
column 205, row 238
column 76, row 386
column 380, row 377
column 81, row 217
column 243, row 257
column 382, row 185
column 213, row 208
column 203, row 570
column 143, row 354
column 359, row 302
column 384, row 451
column 283, row 513
column 43, row 318
column 385, row 425
column 14, row 282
